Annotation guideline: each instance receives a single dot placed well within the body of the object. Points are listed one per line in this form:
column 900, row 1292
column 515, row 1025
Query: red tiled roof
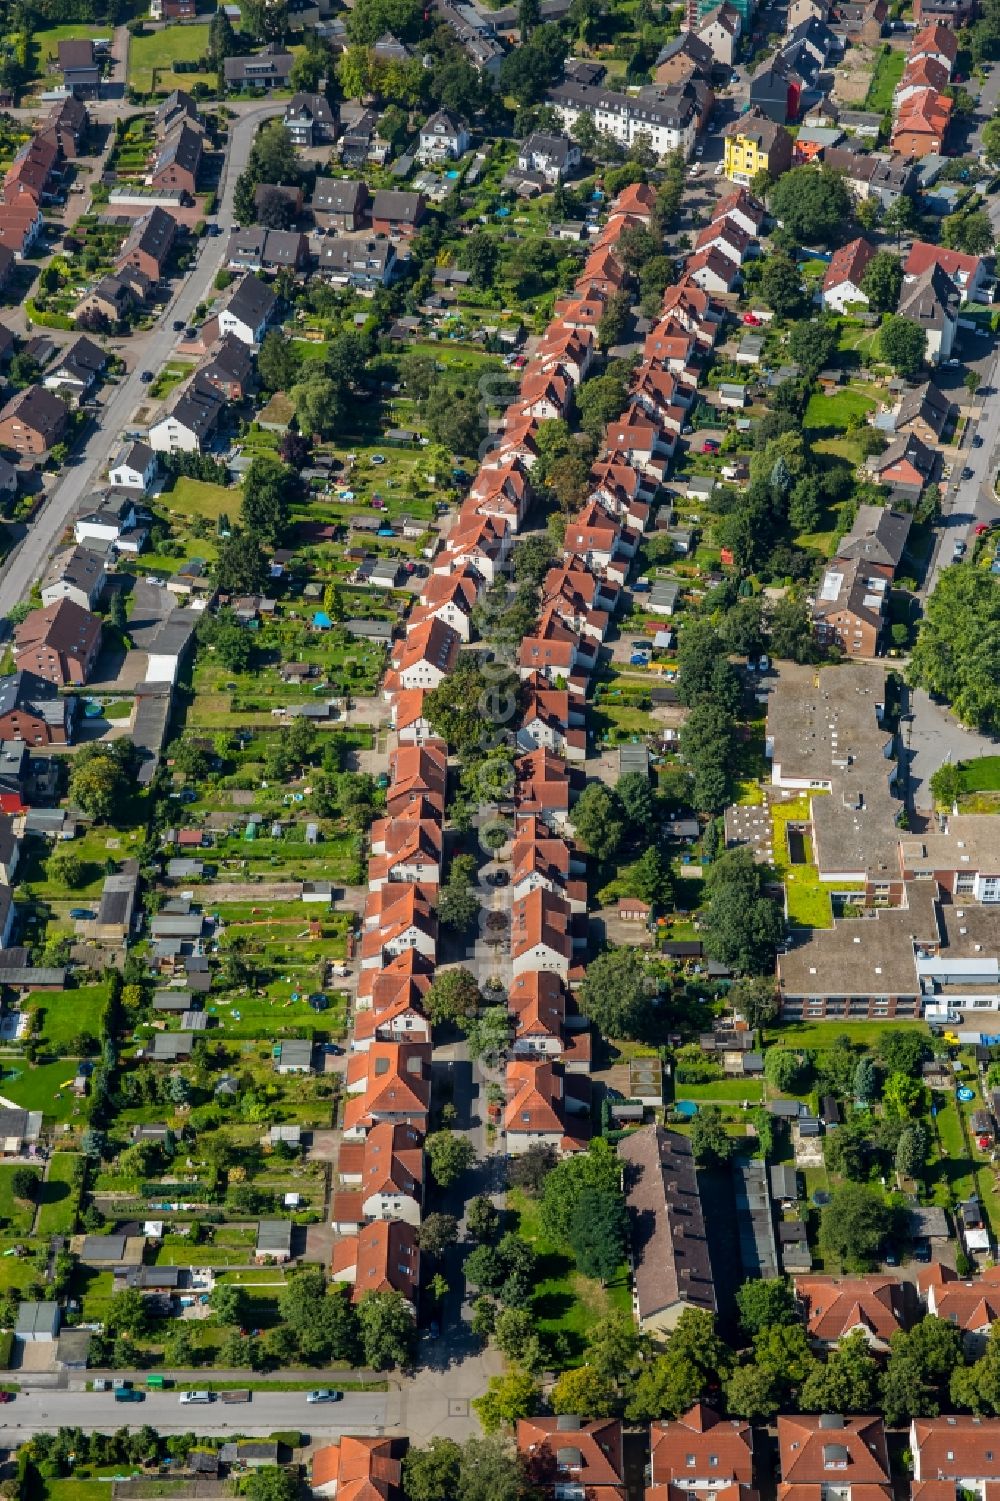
column 832, row 1450
column 702, row 1445
column 836, row 1305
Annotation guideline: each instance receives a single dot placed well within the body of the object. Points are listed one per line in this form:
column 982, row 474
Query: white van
column 195, row 1397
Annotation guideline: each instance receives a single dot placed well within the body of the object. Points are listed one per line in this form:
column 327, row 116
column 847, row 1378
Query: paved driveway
column 932, row 737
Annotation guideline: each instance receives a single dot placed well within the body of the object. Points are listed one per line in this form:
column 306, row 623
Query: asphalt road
column 27, row 561
column 362, row 1413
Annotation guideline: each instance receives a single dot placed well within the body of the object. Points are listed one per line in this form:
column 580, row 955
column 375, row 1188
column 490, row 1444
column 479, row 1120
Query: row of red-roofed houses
column 921, row 108
column 548, row 1085
column 704, row 1457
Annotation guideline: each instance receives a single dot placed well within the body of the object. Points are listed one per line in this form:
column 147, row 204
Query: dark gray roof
column 666, row 1222
column 40, row 410
column 136, row 456
column 389, row 203
column 26, row 690
column 274, row 1235
column 252, row 302
column 198, row 408
column 670, row 107
column 103, row 1248
column 153, row 234
column 270, row 64
column 879, row 534
column 339, row 195
column 309, row 106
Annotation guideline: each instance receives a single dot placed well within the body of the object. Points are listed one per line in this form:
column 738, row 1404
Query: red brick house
column 59, row 642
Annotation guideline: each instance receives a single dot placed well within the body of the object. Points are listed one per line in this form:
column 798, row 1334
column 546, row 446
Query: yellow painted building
column 756, row 144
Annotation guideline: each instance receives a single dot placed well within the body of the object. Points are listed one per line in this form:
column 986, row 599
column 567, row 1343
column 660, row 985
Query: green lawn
column 64, row 1016
column 42, row 1086
column 44, row 45
column 981, row 775
column 828, row 412
column 807, row 899
column 195, row 497
column 157, row 53
column 888, row 72
column 14, row 1214
column 565, row 1300
column 817, row 1034
column 721, row 1089
column 58, row 1212
column 171, row 376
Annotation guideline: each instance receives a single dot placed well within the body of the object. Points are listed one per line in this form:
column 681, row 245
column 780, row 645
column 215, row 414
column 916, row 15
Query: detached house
column 844, row 275
column 310, row 120
column 33, row 421
column 267, row 69
column 134, row 469
column 972, row 1306
column 564, row 1456
column 907, row 465
column 249, row 311
column 60, row 642
column 960, row 1449
column 443, row 137
column 551, row 157
column 837, row 1306
column 359, row 1469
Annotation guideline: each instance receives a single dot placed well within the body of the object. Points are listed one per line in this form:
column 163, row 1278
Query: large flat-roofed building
column 934, row 956
column 961, row 853
column 827, row 736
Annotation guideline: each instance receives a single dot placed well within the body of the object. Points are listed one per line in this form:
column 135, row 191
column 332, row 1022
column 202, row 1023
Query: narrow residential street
column 150, row 351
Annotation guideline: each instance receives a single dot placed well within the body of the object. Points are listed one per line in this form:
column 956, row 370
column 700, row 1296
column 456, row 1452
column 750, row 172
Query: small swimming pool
column 686, row 1107
column 451, row 174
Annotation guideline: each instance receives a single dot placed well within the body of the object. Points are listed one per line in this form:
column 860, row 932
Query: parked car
column 324, row 1394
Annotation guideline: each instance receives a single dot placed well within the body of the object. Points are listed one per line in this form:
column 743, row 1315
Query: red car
column 982, row 529
column 751, row 321
column 710, row 446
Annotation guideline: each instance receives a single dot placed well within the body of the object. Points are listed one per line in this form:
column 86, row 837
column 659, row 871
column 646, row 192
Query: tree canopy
column 958, row 641
column 813, row 204
column 743, row 926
